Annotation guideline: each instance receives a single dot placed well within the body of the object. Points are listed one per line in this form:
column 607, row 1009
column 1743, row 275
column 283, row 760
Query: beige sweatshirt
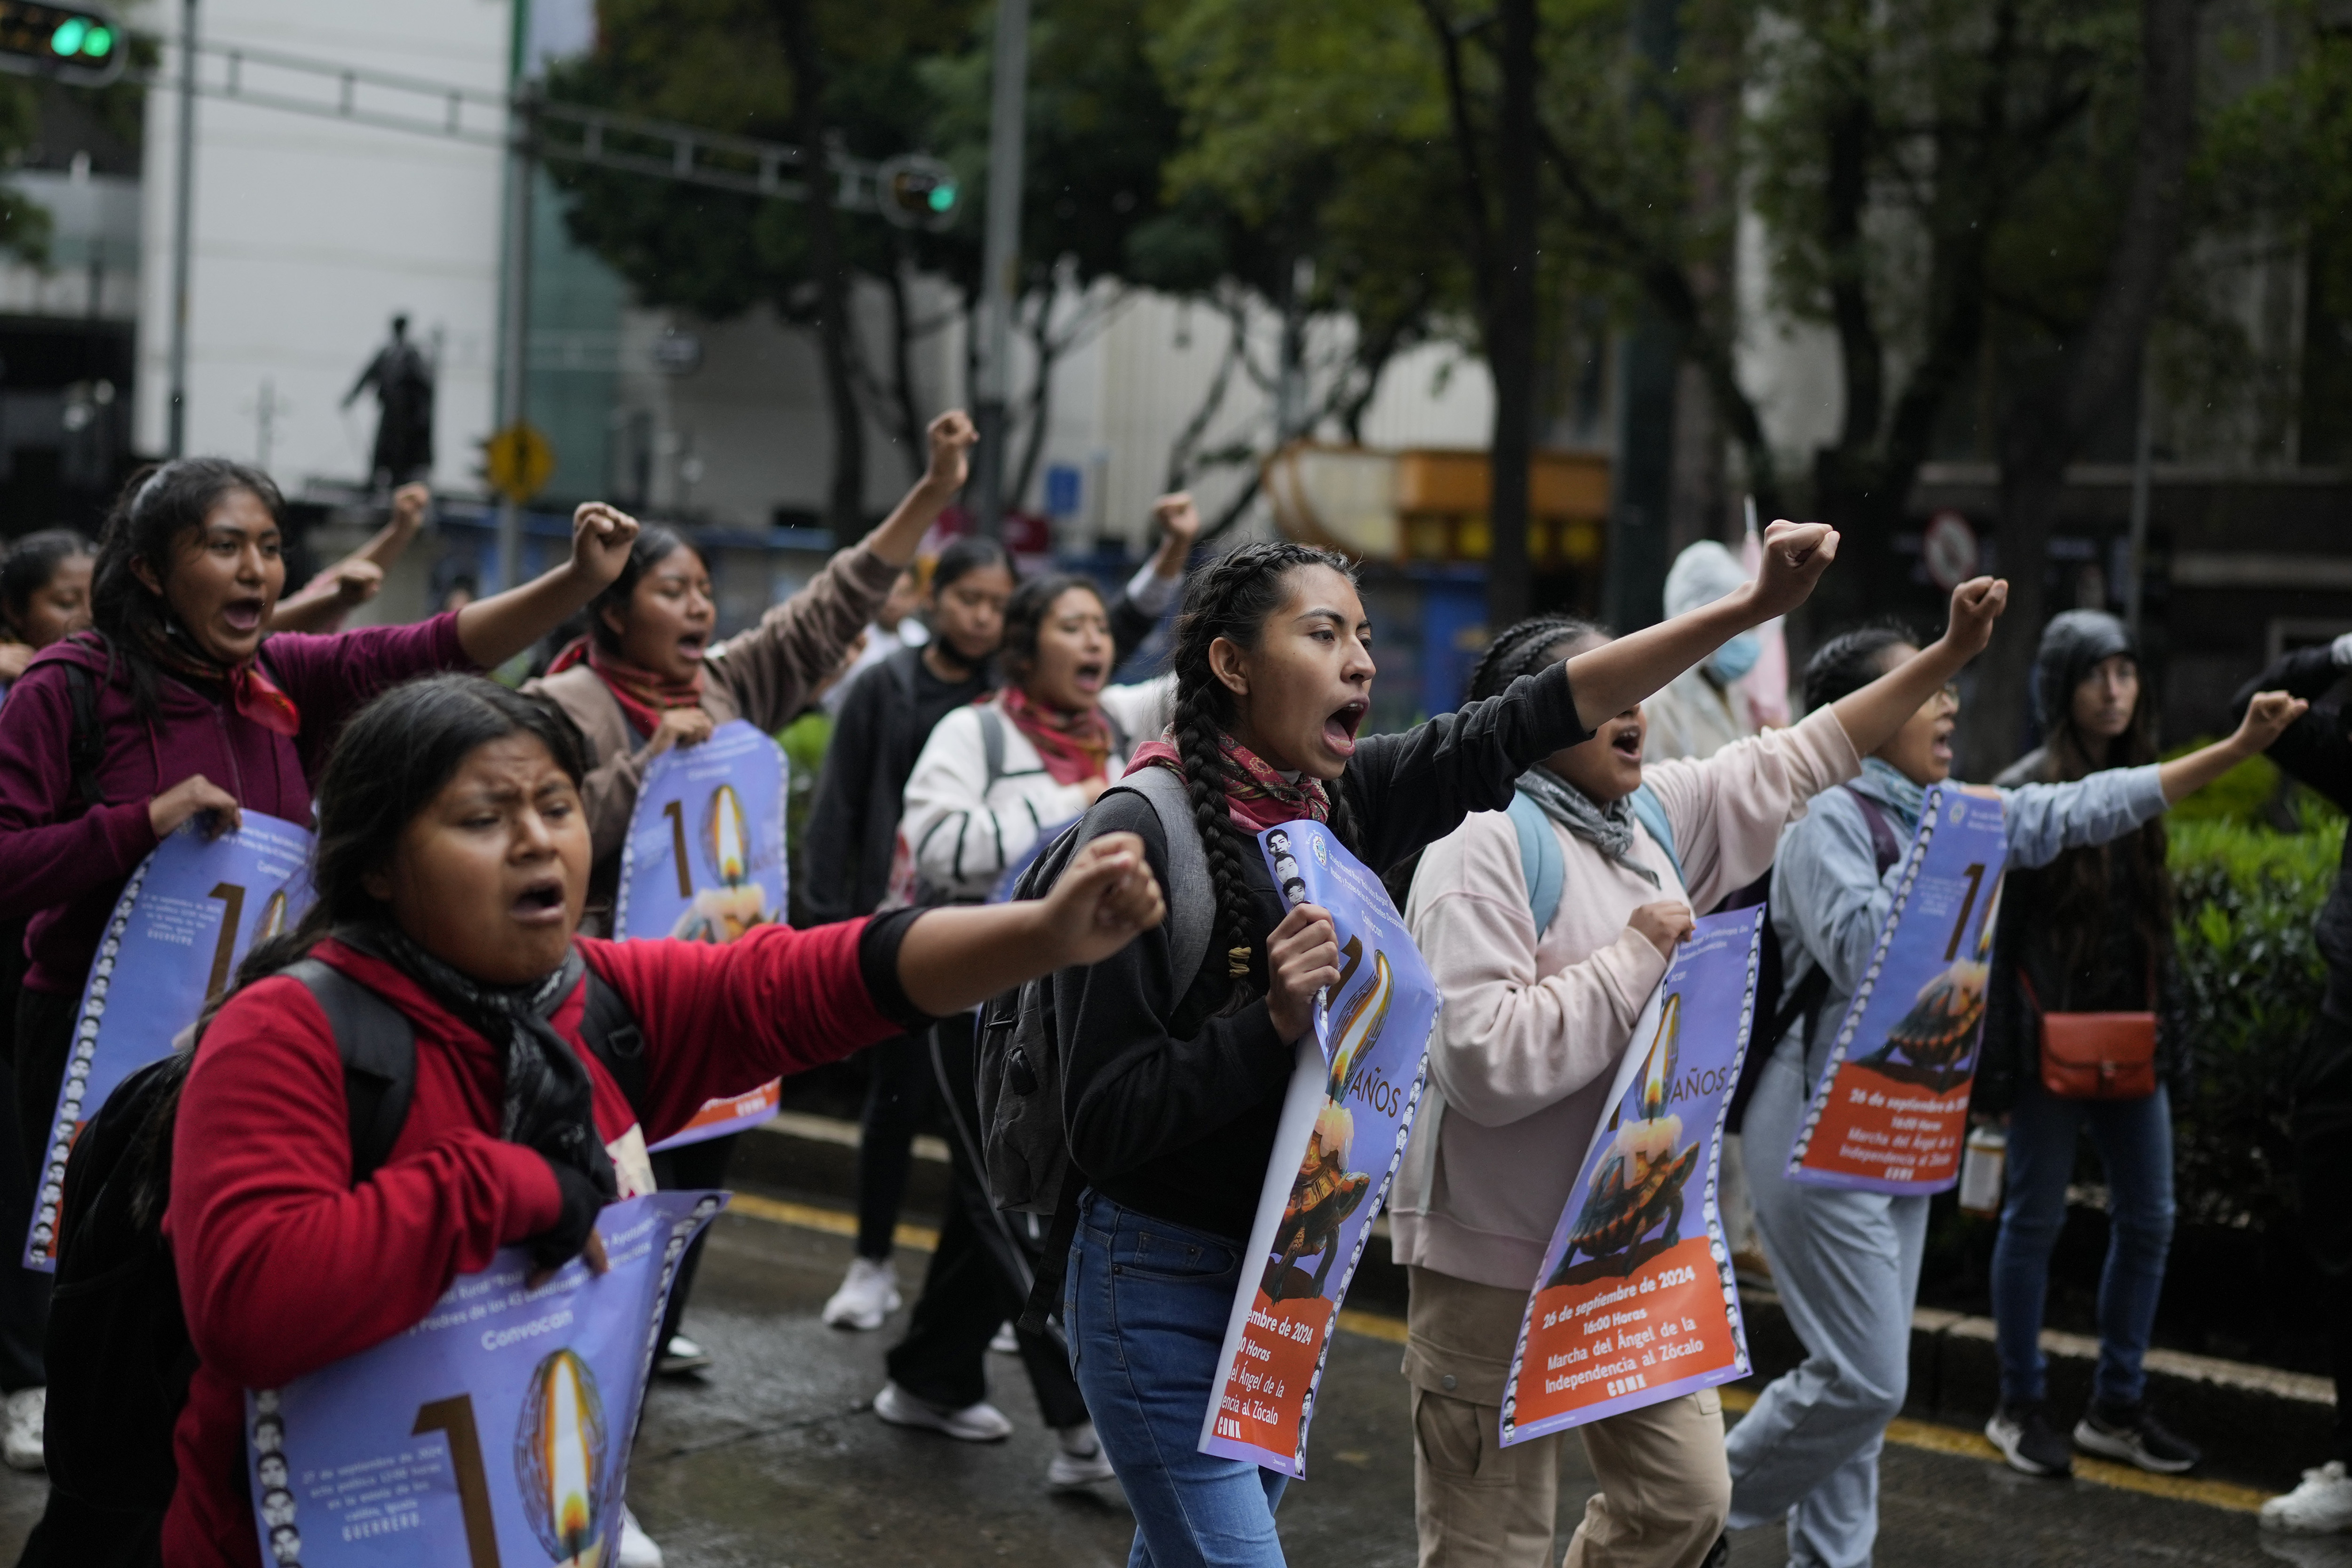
column 1531, row 1032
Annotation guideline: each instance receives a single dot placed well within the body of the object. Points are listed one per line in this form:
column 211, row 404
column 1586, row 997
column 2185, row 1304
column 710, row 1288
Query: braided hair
column 1232, row 598
column 1525, row 648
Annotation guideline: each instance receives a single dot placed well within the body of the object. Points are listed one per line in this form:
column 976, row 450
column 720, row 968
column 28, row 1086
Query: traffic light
column 913, row 191
column 79, row 45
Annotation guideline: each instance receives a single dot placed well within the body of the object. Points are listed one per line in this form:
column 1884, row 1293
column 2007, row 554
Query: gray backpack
column 1020, row 1067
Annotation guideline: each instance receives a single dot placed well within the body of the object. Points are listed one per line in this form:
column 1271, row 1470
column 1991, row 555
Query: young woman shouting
column 452, row 869
column 1533, row 1027
column 1845, row 1263
column 1174, row 1083
column 199, row 709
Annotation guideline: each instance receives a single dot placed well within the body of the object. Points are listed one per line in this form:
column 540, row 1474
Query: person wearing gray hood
column 2089, row 932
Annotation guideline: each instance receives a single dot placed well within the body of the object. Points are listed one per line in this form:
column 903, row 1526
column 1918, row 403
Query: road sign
column 1948, row 549
column 518, row 461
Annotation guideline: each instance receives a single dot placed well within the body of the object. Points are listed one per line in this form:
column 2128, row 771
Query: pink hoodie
column 1532, row 1031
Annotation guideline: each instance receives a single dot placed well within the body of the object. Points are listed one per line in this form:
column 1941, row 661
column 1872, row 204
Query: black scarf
column 549, row 1101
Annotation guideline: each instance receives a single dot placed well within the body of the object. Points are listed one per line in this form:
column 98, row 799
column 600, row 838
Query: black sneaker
column 2022, row 1432
column 2132, row 1432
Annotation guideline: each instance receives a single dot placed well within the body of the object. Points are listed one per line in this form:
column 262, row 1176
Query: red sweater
column 285, row 1267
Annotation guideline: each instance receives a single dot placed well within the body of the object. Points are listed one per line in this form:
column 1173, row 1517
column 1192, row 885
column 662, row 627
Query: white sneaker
column 1078, row 1459
column 2322, row 1505
column 981, row 1422
column 637, row 1548
column 681, row 1355
column 868, row 1294
column 22, row 1446
column 1004, row 1343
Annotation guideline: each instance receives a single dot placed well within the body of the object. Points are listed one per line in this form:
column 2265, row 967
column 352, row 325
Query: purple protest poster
column 495, row 1431
column 185, row 921
column 1345, row 1123
column 1635, row 1303
column 705, row 862
column 1892, row 1105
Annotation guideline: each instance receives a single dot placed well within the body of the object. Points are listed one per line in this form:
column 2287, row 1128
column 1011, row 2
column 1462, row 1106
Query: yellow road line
column 833, row 1222
column 1923, row 1435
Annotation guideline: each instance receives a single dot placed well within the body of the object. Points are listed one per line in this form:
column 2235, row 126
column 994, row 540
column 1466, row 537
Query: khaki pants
column 1665, row 1490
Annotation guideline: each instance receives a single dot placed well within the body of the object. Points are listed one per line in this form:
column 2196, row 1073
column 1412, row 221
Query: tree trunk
column 2049, row 423
column 845, row 511
column 1511, row 323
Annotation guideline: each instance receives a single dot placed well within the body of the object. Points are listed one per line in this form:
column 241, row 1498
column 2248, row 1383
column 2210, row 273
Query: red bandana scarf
column 1075, row 747
column 643, row 695
column 1256, row 796
column 250, row 690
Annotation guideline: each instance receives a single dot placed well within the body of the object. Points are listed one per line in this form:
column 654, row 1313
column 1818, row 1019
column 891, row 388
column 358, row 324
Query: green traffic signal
column 943, row 196
column 81, row 45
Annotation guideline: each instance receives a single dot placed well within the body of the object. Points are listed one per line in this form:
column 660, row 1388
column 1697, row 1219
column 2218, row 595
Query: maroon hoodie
column 66, row 863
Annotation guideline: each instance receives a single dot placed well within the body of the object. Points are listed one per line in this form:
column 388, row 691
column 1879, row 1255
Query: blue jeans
column 2134, row 1138
column 1145, row 1307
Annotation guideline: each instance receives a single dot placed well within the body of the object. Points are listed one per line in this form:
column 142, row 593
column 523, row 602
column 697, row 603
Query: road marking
column 833, row 1222
column 1923, row 1435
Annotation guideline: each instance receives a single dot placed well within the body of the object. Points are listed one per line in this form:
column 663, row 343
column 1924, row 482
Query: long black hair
column 2080, row 883
column 33, row 560
column 1024, row 617
column 389, row 762
column 1232, row 598
column 1522, row 649
column 159, row 506
column 655, row 543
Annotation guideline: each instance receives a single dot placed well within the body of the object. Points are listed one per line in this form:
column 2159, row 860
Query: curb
column 2257, row 1425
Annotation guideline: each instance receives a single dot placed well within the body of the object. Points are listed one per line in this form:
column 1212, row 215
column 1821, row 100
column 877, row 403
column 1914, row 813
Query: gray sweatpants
column 1846, row 1266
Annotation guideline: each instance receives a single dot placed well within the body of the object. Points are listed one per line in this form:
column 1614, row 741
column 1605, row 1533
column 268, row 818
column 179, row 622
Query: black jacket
column 2114, row 977
column 1170, row 1099
column 886, row 716
column 2317, row 750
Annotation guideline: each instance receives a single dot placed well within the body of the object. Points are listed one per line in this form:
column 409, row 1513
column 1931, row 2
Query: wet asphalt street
column 773, row 1460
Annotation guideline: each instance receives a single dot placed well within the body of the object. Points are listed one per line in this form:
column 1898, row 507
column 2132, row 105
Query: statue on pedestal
column 403, row 379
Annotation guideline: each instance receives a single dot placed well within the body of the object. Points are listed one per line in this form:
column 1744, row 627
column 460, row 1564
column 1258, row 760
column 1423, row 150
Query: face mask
column 1738, row 656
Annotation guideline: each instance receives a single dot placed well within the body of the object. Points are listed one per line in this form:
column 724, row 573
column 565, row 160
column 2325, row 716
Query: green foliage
column 805, row 741
column 2251, row 977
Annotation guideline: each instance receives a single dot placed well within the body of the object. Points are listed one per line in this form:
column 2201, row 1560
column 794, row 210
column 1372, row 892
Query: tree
column 808, row 72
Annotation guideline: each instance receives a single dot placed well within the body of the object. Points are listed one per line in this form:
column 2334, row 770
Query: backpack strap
column 1540, row 861
column 1651, row 813
column 1191, row 895
column 1884, row 844
column 612, row 1032
column 992, row 748
column 378, row 1045
column 86, row 747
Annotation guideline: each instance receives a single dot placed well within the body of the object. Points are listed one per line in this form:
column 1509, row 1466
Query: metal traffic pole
column 183, row 217
column 515, row 337
column 999, row 271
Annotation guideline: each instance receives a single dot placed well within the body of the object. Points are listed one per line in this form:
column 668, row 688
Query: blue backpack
column 1546, row 869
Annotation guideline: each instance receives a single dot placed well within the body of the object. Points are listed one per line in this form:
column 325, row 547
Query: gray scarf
column 548, row 1098
column 1608, row 829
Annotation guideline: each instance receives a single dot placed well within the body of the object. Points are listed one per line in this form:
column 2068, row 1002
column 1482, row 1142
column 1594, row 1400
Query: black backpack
column 119, row 1356
column 1776, row 1014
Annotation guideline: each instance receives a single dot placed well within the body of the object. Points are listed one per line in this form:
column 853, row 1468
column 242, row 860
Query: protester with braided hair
column 1534, row 1024
column 1173, row 1083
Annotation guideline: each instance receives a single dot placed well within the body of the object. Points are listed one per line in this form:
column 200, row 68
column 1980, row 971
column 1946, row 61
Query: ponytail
column 1231, row 598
